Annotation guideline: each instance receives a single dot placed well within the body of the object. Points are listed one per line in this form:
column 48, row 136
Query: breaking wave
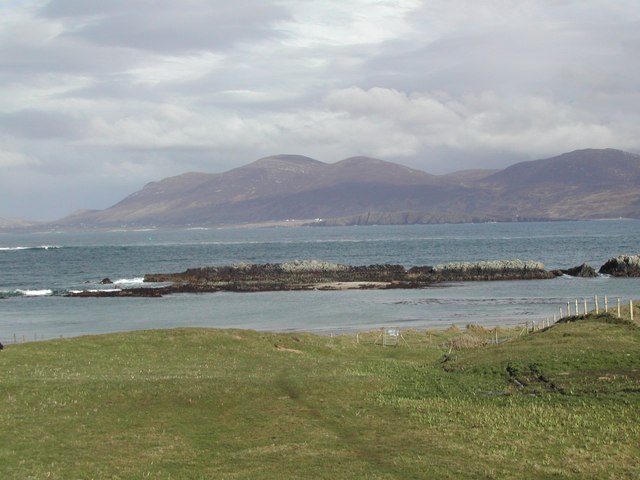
column 40, row 247
column 45, row 292
column 129, row 281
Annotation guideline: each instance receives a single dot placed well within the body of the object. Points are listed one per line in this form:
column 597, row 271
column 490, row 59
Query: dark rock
column 314, row 274
column 106, row 281
column 622, row 266
column 583, row 271
column 490, row 271
column 280, row 276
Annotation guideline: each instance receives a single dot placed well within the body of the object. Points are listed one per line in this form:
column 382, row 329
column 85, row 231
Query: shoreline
column 505, row 305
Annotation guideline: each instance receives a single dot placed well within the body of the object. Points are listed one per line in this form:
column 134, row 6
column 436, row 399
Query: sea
column 38, row 269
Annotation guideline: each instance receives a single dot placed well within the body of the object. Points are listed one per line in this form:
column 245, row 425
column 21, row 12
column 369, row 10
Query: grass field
column 201, row 403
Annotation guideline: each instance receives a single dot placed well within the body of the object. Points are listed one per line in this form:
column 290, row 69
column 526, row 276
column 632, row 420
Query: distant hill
column 584, row 184
column 11, row 223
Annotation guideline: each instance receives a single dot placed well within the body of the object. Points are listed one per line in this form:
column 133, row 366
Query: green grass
column 201, row 403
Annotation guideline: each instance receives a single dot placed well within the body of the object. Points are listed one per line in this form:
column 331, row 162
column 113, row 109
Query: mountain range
column 583, row 184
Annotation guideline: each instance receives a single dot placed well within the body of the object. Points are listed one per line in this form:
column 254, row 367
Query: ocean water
column 37, row 269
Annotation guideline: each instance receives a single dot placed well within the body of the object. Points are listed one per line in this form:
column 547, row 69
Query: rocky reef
column 482, row 271
column 622, row 266
column 318, row 275
column 582, row 271
column 284, row 276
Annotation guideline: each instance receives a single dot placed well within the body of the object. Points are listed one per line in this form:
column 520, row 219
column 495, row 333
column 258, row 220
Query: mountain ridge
column 582, row 184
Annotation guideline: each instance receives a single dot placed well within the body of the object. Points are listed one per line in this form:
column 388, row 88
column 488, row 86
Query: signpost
column 391, row 337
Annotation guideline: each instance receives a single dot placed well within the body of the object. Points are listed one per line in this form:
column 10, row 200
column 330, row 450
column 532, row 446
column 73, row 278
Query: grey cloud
column 62, row 57
column 168, row 26
column 81, row 8
column 37, row 124
column 566, row 63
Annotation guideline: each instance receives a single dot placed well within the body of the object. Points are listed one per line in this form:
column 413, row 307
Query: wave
column 45, row 292
column 129, row 281
column 29, row 292
column 506, row 301
column 40, row 247
column 95, row 290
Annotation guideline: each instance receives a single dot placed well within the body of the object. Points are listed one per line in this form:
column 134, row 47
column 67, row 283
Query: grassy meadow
column 230, row 404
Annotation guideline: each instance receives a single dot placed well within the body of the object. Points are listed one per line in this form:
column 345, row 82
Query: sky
column 98, row 98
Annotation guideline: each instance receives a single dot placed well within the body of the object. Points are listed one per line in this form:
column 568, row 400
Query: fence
column 572, row 309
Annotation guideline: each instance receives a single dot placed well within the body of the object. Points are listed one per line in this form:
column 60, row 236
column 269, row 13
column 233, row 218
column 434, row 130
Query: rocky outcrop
column 312, row 274
column 483, row 271
column 279, row 276
column 622, row 266
column 583, row 271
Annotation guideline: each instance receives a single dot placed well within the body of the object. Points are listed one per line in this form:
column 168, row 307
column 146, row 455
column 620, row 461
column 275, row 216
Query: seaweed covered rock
column 491, row 270
column 622, row 266
column 312, row 274
column 280, row 276
column 583, row 271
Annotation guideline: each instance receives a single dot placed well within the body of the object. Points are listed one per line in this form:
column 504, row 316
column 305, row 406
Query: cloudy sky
column 97, row 97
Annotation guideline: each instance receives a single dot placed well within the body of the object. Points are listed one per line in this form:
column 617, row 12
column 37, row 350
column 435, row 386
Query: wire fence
column 572, row 309
column 580, row 308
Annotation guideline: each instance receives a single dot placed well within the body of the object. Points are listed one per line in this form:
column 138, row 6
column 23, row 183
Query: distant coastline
column 375, row 220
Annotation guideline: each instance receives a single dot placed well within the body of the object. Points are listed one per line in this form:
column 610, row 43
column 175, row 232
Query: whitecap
column 101, row 290
column 35, row 293
column 40, row 247
column 129, row 281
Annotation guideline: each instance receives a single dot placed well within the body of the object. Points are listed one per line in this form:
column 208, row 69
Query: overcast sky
column 98, row 97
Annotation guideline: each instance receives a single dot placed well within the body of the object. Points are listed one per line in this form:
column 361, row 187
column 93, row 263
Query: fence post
column 585, row 306
column 631, row 309
column 568, row 309
column 618, row 307
column 596, row 299
column 606, row 304
column 560, row 313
